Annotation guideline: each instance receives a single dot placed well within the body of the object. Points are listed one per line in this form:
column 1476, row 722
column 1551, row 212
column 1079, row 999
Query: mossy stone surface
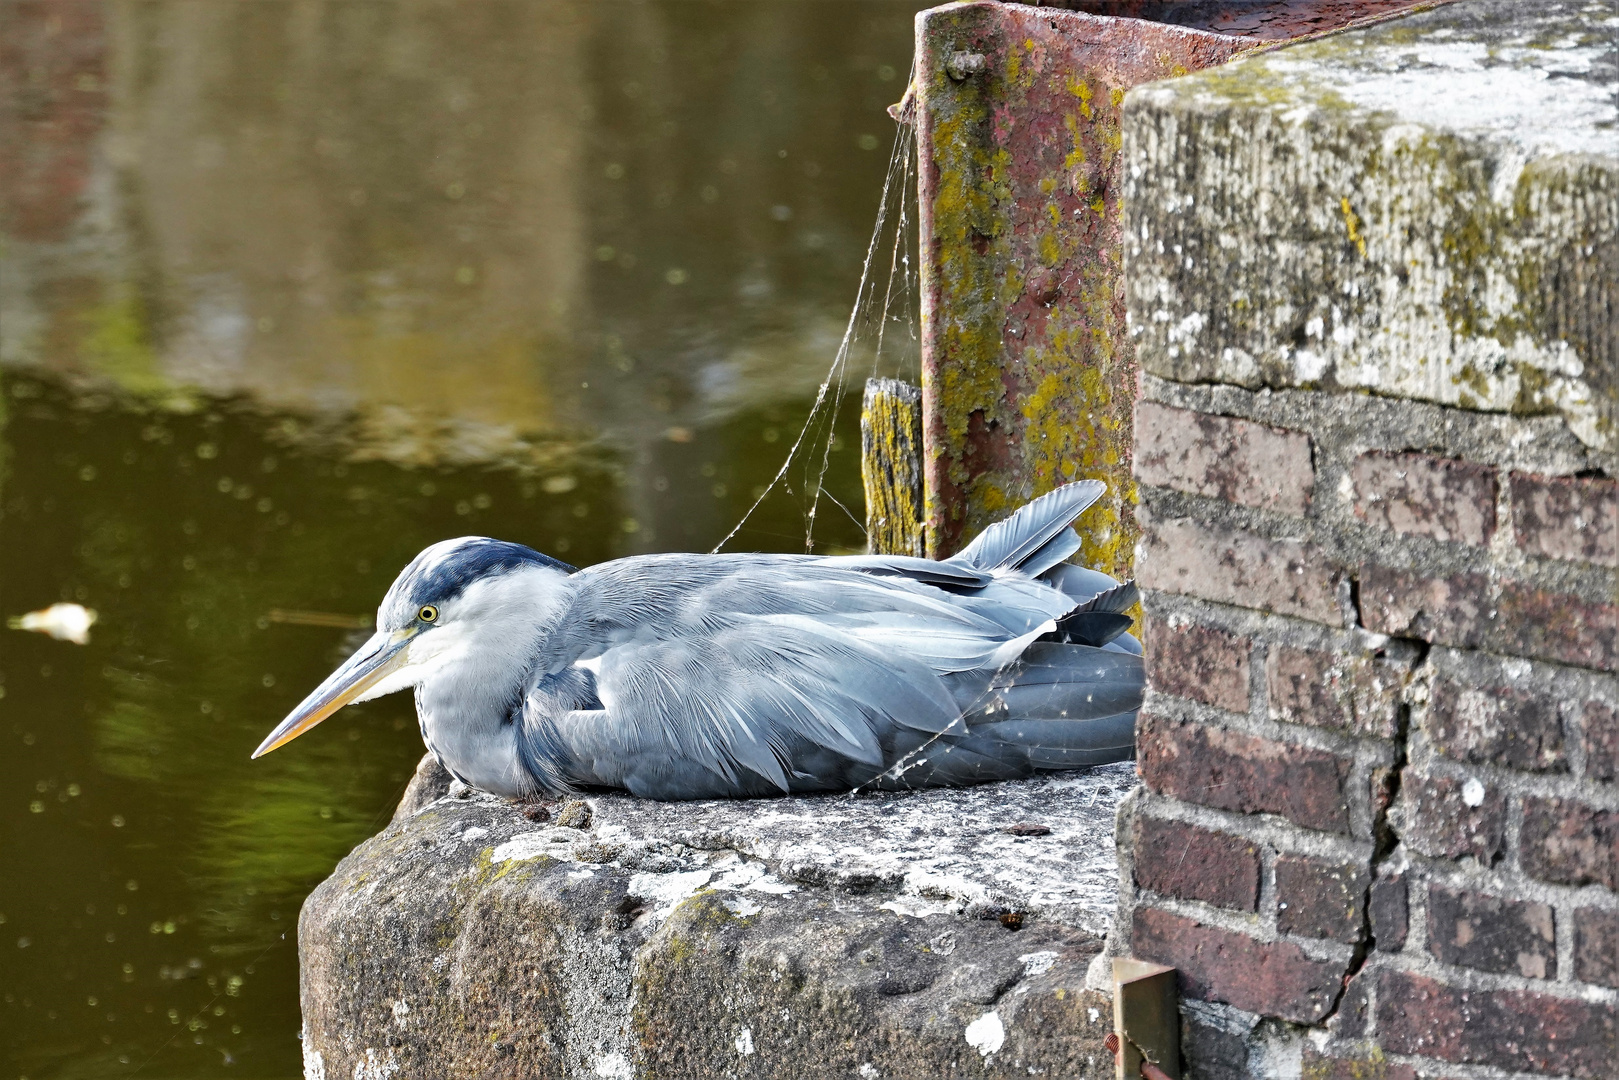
column 834, row 936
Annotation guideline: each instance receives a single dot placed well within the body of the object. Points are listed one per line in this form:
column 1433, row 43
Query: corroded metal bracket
column 1027, row 375
column 1146, row 1021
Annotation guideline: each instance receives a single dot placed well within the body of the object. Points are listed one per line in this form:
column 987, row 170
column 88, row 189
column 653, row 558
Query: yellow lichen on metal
column 1028, row 371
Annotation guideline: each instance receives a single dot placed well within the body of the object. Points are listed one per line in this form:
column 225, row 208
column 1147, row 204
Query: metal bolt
column 962, row 64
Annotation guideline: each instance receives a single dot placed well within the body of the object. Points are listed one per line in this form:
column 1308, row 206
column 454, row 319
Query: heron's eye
column 428, row 613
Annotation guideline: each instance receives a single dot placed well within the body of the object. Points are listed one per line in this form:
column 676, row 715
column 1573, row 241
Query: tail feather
column 1060, row 706
column 1051, row 553
column 1060, row 744
column 1079, row 582
column 1100, row 619
column 1013, row 542
column 1120, row 598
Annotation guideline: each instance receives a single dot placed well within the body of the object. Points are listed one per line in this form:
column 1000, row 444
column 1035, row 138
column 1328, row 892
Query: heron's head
column 453, row 594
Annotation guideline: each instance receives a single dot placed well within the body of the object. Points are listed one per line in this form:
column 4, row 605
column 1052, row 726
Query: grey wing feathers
column 757, row 674
column 733, row 712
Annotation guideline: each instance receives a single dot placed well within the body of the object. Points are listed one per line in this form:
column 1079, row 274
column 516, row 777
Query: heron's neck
column 468, row 699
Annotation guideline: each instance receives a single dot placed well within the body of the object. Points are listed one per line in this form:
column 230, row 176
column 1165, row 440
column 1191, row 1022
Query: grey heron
column 707, row 676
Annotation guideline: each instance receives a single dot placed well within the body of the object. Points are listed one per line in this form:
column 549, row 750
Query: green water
column 289, row 292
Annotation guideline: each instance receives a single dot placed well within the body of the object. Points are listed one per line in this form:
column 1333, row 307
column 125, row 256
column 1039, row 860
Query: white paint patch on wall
column 986, row 1034
column 614, row 1066
column 314, row 1064
column 525, row 846
column 667, row 890
column 375, row 1066
column 1037, row 963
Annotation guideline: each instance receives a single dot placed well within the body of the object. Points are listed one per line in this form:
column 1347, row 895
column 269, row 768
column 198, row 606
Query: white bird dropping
column 64, row 622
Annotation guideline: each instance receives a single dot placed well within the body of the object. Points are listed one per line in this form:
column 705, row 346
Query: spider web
column 893, row 298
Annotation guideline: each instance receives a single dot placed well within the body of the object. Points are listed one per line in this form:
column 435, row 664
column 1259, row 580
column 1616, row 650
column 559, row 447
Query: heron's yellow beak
column 379, row 657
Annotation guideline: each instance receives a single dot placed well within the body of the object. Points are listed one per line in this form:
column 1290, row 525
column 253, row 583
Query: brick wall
column 1379, row 801
column 1378, row 833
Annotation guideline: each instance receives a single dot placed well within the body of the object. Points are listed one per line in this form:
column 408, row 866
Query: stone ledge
column 936, row 933
column 1423, row 209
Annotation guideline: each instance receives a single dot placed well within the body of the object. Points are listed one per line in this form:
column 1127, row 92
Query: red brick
column 1223, row 457
column 1557, row 626
column 1453, row 610
column 1422, row 495
column 1193, row 863
column 1234, row 567
column 1566, row 518
column 1317, row 1066
column 1219, row 1054
column 1569, row 843
column 1599, row 738
column 1492, row 933
column 1333, row 690
column 1198, row 662
column 1470, row 611
column 1321, row 899
column 1276, row 979
column 1350, row 1019
column 1509, row 1029
column 1390, row 914
column 1231, row 771
column 1596, row 946
column 1498, row 725
column 1439, row 822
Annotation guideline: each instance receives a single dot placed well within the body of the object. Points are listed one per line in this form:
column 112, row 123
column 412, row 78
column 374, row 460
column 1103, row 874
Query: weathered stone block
column 1423, row 495
column 1492, row 933
column 1232, row 771
column 1198, row 662
column 1192, row 863
column 1570, row 842
column 754, row 938
column 1333, row 690
column 1499, row 725
column 1315, row 898
column 1447, row 818
column 1211, row 1053
column 1225, row 458
column 1596, row 946
column 1366, row 213
column 829, row 991
column 1274, row 979
column 1234, row 567
column 1509, row 1029
column 1566, row 518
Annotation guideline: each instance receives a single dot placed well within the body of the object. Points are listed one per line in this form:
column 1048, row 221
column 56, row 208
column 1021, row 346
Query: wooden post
column 891, row 466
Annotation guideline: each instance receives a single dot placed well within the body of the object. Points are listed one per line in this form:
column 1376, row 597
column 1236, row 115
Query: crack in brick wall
column 1331, row 814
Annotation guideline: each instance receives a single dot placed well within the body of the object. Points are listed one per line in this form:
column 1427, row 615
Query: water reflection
column 292, row 290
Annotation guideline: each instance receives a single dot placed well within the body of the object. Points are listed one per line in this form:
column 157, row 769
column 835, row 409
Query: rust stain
column 1028, row 378
column 1256, row 20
